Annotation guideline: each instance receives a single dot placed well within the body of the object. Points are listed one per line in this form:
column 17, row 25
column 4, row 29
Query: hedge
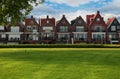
column 58, row 46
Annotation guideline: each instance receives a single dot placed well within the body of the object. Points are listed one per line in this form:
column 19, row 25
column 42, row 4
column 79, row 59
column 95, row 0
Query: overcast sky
column 75, row 8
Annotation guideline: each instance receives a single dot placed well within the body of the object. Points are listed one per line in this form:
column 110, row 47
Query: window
column 99, row 28
column 118, row 27
column 29, row 28
column 79, row 29
column 63, row 29
column 34, row 27
column 47, row 21
column 113, row 28
column 64, row 36
column 15, row 29
column 48, row 29
column 98, row 19
column 14, row 37
column 1, row 27
column 3, row 36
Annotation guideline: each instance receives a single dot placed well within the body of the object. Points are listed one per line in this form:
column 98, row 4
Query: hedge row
column 59, row 46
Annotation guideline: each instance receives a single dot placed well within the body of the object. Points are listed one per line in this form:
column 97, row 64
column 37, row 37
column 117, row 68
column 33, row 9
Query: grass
column 60, row 63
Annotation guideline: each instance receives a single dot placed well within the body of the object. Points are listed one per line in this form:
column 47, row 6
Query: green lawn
column 60, row 63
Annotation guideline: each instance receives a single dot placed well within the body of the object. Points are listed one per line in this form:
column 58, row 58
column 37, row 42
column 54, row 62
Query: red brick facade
column 49, row 31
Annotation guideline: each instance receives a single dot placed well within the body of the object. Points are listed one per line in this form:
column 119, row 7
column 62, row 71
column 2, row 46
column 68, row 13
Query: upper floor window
column 47, row 21
column 29, row 28
column 15, row 29
column 98, row 29
column 118, row 27
column 47, row 29
column 79, row 28
column 63, row 29
column 1, row 27
column 113, row 28
column 98, row 19
column 34, row 27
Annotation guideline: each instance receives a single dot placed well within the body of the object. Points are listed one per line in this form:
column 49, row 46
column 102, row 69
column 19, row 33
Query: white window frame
column 81, row 28
column 113, row 28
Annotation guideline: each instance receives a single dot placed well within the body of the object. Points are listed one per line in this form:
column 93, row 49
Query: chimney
column 63, row 15
column 98, row 12
column 47, row 16
column 31, row 17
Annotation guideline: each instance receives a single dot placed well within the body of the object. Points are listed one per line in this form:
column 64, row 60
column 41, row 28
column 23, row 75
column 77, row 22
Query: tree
column 15, row 10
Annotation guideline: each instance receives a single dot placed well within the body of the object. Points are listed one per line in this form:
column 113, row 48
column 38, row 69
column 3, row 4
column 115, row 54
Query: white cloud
column 73, row 2
column 47, row 9
column 113, row 6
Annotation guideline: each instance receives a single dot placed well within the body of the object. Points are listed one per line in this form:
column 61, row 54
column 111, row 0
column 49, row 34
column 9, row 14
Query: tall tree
column 15, row 10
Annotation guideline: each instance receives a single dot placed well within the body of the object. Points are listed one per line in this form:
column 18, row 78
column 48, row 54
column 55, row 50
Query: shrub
column 59, row 46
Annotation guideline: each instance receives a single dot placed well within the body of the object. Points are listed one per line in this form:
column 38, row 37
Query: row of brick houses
column 49, row 31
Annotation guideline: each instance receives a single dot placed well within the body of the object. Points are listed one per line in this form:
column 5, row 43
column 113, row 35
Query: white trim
column 98, row 32
column 63, row 33
column 79, row 32
column 110, row 24
column 14, row 33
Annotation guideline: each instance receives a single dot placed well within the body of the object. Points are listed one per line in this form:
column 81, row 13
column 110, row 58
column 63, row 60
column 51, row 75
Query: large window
column 98, row 29
column 63, row 36
column 118, row 27
column 15, row 29
column 98, row 36
column 63, row 29
column 80, row 36
column 113, row 28
column 47, row 29
column 79, row 28
column 14, row 37
column 1, row 27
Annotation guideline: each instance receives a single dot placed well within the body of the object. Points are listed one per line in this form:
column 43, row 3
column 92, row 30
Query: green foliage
column 52, row 63
column 15, row 10
column 59, row 46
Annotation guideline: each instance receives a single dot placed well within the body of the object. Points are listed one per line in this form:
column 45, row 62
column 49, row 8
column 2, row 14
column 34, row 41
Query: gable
column 48, row 22
column 114, row 23
column 63, row 22
column 79, row 21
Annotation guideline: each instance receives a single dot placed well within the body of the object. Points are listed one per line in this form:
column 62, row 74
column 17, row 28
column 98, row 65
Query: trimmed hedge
column 58, row 46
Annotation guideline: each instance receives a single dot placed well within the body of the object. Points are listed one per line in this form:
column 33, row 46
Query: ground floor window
column 80, row 36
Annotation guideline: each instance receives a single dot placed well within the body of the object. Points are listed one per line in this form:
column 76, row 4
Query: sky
column 74, row 8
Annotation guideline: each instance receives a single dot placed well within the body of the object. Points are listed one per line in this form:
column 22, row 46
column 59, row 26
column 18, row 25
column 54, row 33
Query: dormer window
column 98, row 19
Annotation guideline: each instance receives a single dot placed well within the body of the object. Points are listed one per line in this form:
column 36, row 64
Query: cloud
column 113, row 6
column 111, row 9
column 73, row 3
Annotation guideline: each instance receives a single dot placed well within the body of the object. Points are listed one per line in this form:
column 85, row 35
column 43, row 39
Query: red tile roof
column 28, row 21
column 110, row 20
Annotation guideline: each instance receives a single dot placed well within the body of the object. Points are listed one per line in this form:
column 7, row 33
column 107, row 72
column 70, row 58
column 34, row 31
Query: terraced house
column 49, row 31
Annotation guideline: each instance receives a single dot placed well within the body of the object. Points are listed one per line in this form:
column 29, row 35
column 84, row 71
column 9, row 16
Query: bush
column 59, row 46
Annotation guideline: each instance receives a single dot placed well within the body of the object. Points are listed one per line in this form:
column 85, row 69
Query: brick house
column 113, row 27
column 47, row 30
column 2, row 34
column 31, row 31
column 97, row 28
column 79, row 30
column 63, row 30
column 14, row 33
